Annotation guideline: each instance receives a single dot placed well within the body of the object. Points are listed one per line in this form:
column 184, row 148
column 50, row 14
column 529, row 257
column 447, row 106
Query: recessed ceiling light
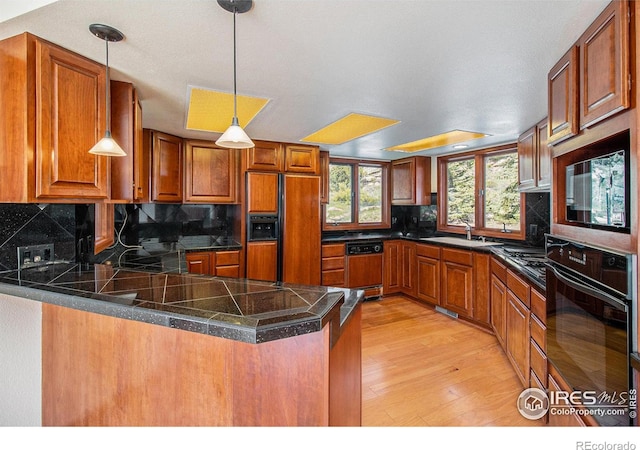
column 439, row 140
column 460, row 146
column 350, row 127
column 210, row 110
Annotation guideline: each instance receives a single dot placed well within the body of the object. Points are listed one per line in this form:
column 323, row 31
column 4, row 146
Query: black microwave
column 598, row 192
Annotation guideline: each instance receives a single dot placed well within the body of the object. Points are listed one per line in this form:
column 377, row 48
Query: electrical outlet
column 35, row 255
column 533, row 229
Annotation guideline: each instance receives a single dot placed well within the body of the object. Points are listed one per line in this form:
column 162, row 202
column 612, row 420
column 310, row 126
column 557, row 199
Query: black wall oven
column 591, row 329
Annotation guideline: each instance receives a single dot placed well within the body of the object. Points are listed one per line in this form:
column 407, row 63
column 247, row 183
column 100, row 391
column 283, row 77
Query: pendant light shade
column 235, row 136
column 107, row 146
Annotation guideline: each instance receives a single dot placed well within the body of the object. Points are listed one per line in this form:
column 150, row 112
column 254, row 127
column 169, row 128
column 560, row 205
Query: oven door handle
column 580, row 286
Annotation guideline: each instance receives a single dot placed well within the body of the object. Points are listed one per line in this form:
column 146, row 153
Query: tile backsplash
column 30, row 224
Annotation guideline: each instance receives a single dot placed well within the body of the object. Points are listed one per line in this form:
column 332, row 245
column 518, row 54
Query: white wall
column 20, row 362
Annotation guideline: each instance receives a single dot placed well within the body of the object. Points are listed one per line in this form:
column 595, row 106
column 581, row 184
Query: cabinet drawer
column 457, row 256
column 538, row 361
column 330, row 250
column 227, row 258
column 539, row 305
column 228, row 271
column 538, row 332
column 430, row 251
column 499, row 269
column 333, row 263
column 519, row 287
column 333, row 277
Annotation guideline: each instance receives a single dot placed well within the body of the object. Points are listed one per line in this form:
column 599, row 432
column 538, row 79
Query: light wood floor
column 422, row 368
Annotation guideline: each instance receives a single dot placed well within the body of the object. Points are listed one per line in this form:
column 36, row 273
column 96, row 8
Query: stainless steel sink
column 461, row 242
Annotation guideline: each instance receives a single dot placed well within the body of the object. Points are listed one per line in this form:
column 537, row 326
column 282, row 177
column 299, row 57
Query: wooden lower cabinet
column 457, row 285
column 557, row 383
column 408, row 283
column 499, row 309
column 392, row 267
column 518, row 337
column 224, row 263
column 333, row 264
column 428, row 273
column 262, row 260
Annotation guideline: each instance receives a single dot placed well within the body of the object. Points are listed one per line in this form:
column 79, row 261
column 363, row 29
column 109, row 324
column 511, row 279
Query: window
column 481, row 190
column 357, row 195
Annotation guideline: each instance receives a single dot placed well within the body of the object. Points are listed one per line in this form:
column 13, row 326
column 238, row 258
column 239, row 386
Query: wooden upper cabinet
column 302, row 159
column 604, row 65
column 52, row 111
column 211, row 173
column 543, row 159
column 266, row 157
column 534, row 158
column 262, row 193
column 70, row 114
column 411, row 181
column 166, row 166
column 563, row 97
column 129, row 174
column 527, row 143
column 324, row 177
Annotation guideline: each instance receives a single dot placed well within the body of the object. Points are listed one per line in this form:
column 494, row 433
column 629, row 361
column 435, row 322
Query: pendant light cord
column 107, row 90
column 235, row 93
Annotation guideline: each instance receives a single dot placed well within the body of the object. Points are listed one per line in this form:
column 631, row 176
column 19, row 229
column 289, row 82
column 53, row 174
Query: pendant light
column 235, row 137
column 107, row 146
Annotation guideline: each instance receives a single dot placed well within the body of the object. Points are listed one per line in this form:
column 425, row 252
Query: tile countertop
column 232, row 308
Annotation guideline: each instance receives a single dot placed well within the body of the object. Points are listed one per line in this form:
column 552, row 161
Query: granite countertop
column 232, row 308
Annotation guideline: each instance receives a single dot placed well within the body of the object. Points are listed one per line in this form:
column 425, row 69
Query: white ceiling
column 435, row 65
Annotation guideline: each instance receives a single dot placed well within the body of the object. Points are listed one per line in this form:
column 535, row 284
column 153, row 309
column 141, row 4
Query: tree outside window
column 482, row 191
column 357, row 195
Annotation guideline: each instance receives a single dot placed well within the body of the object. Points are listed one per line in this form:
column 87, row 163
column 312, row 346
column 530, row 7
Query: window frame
column 355, row 197
column 479, row 229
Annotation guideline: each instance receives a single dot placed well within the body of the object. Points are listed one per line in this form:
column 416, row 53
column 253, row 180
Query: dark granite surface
column 232, row 308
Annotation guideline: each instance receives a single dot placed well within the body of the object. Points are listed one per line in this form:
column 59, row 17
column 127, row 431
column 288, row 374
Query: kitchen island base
column 101, row 370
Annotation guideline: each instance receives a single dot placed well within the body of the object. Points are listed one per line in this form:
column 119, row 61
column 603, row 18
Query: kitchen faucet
column 467, row 228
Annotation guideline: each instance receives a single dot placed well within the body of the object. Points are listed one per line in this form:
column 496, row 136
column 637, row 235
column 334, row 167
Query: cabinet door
column 563, row 97
column 543, row 158
column 266, row 157
column 70, row 119
column 498, row 309
column 302, row 158
column 104, row 227
column 518, row 337
column 527, row 144
column 428, row 275
column 604, row 65
column 411, row 181
column 408, row 269
column 392, row 267
column 166, row 176
column 324, row 177
column 262, row 260
column 457, row 287
column 262, row 193
column 200, row 263
column 482, row 283
column 301, row 231
column 211, row 173
column 129, row 174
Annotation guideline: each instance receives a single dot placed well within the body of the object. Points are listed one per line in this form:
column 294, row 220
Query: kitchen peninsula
column 126, row 347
